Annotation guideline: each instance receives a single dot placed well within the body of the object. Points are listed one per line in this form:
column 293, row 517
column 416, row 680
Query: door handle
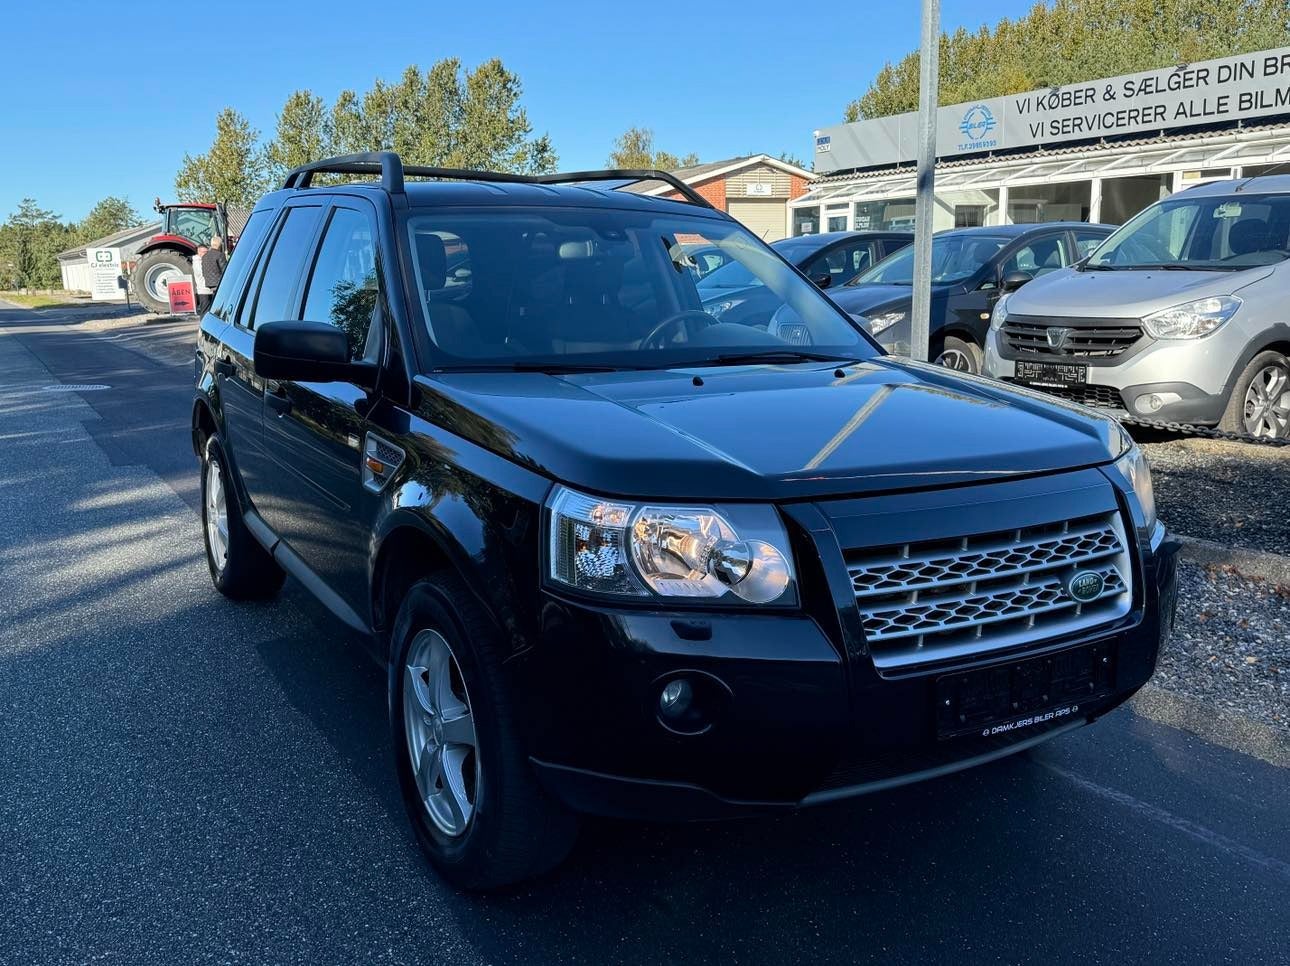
column 224, row 368
column 278, row 401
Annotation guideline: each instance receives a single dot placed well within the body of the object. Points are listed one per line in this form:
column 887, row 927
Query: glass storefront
column 806, row 221
column 1122, row 198
column 894, row 215
column 1032, row 203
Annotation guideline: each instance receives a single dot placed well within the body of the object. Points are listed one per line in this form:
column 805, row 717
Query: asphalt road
column 184, row 779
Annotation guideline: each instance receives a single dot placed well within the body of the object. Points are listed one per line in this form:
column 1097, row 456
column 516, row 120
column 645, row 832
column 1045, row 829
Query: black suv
column 622, row 557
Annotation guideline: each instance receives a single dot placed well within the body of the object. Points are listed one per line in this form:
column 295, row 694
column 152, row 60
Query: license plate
column 1019, row 695
column 1055, row 375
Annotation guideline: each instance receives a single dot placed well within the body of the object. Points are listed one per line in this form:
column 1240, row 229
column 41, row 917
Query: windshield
column 584, row 287
column 954, row 258
column 1214, row 233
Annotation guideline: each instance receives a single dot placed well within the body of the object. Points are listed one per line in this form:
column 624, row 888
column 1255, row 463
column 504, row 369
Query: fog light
column 675, row 698
column 1153, row 402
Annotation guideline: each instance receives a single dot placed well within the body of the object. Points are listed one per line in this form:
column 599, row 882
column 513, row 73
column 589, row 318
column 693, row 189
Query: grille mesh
column 938, row 599
column 1100, row 397
column 1089, row 339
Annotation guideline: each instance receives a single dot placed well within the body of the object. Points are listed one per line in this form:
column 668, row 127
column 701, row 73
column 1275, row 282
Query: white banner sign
column 105, row 270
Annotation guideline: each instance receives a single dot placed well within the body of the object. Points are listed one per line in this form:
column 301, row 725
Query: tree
column 1068, row 41
column 304, row 134
column 445, row 117
column 110, row 215
column 234, row 170
column 635, row 149
column 29, row 241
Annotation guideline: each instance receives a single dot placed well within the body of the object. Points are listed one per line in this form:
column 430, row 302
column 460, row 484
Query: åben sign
column 1229, row 88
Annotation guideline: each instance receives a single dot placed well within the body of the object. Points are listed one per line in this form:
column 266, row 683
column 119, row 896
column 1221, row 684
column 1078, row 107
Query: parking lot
column 189, row 779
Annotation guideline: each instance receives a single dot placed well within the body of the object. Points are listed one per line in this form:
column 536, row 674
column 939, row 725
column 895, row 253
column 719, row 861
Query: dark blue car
column 971, row 268
column 733, row 294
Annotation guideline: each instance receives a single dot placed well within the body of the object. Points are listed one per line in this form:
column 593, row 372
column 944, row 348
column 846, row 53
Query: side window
column 1086, row 243
column 239, row 263
column 1042, row 255
column 285, row 265
column 344, row 287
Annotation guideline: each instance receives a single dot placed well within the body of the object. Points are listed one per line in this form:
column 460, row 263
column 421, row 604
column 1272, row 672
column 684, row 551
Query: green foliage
column 635, row 149
column 29, row 241
column 446, row 117
column 109, row 216
column 1068, row 41
column 234, row 170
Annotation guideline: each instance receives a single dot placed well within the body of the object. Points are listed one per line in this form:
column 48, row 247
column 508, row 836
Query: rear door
column 314, row 432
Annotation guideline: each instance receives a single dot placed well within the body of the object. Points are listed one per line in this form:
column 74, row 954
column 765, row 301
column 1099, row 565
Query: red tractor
column 168, row 256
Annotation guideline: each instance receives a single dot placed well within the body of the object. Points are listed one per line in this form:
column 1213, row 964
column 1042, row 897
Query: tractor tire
column 152, row 273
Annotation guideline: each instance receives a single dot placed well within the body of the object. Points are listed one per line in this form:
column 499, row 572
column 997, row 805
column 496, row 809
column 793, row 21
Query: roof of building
column 111, row 241
column 697, row 173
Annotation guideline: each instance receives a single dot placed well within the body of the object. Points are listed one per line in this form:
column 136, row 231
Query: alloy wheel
column 440, row 729
column 955, row 359
column 1267, row 403
column 216, row 515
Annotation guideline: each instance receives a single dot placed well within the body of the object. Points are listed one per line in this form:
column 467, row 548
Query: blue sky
column 94, row 107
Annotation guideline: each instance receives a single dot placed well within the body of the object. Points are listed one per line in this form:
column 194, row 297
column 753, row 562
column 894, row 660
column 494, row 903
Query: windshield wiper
column 551, row 368
column 1168, row 267
column 1090, row 267
column 771, row 356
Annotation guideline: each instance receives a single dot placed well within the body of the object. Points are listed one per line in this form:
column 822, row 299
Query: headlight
column 1191, row 320
column 999, row 314
column 718, row 309
column 1137, row 470
column 634, row 550
column 883, row 322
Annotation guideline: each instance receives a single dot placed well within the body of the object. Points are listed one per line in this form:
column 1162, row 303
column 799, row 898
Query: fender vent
column 381, row 460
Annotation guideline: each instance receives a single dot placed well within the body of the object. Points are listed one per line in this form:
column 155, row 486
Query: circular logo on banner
column 977, row 122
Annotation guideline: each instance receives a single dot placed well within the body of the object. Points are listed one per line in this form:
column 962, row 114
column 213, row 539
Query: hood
column 765, row 432
column 1068, row 293
column 863, row 299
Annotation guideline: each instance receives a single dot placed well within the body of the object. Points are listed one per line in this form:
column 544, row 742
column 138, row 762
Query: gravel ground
column 1231, row 493
column 1231, row 646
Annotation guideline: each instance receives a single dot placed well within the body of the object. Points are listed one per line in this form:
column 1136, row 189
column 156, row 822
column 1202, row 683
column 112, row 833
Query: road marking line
column 1189, row 828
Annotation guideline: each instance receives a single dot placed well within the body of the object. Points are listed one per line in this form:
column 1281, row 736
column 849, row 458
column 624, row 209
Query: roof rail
column 391, row 169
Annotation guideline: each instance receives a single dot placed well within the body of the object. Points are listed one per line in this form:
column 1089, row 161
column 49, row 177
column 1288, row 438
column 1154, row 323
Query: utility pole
column 929, row 56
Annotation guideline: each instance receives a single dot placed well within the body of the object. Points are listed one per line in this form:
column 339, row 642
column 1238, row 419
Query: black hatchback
column 971, row 268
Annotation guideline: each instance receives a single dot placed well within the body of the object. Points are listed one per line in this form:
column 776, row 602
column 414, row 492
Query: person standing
column 213, row 264
column 201, row 290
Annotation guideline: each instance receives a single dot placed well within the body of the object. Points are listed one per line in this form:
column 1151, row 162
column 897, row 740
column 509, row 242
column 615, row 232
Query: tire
column 154, row 267
column 961, row 355
column 1268, row 370
column 240, row 567
column 505, row 828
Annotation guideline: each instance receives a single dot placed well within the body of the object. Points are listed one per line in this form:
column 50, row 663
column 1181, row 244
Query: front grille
column 940, row 599
column 1028, row 336
column 1100, row 397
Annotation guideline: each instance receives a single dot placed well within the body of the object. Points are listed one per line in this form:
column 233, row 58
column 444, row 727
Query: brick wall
column 714, row 192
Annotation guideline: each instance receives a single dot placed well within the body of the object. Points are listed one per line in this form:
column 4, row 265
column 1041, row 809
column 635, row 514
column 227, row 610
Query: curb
column 1255, row 564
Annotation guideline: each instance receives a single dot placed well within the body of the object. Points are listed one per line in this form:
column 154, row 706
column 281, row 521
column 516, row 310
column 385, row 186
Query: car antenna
column 1275, row 169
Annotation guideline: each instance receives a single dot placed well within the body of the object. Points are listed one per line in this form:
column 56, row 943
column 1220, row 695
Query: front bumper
column 802, row 714
column 1189, row 378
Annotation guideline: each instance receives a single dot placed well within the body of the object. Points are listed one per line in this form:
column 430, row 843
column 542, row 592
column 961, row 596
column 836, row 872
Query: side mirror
column 1014, row 280
column 307, row 352
column 822, row 280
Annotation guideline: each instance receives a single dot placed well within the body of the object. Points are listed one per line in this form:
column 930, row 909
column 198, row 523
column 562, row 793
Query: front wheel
column 960, row 355
column 154, row 273
column 477, row 809
column 1260, row 400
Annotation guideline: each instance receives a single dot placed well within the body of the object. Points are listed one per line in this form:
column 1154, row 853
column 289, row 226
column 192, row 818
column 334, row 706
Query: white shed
column 76, row 268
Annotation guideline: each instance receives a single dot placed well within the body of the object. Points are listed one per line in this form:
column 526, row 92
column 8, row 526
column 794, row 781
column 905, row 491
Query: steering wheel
column 680, row 320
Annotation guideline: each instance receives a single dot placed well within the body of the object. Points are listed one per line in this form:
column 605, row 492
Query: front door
column 314, row 433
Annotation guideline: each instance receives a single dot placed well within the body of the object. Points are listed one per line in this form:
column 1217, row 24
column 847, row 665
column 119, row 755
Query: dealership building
column 1099, row 151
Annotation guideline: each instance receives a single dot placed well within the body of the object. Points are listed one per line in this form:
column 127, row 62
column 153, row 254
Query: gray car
column 1183, row 314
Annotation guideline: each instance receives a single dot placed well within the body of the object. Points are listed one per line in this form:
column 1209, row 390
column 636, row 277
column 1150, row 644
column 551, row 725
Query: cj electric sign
column 1227, row 89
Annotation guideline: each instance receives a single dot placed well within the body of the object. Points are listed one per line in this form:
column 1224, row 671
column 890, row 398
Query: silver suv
column 1183, row 314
